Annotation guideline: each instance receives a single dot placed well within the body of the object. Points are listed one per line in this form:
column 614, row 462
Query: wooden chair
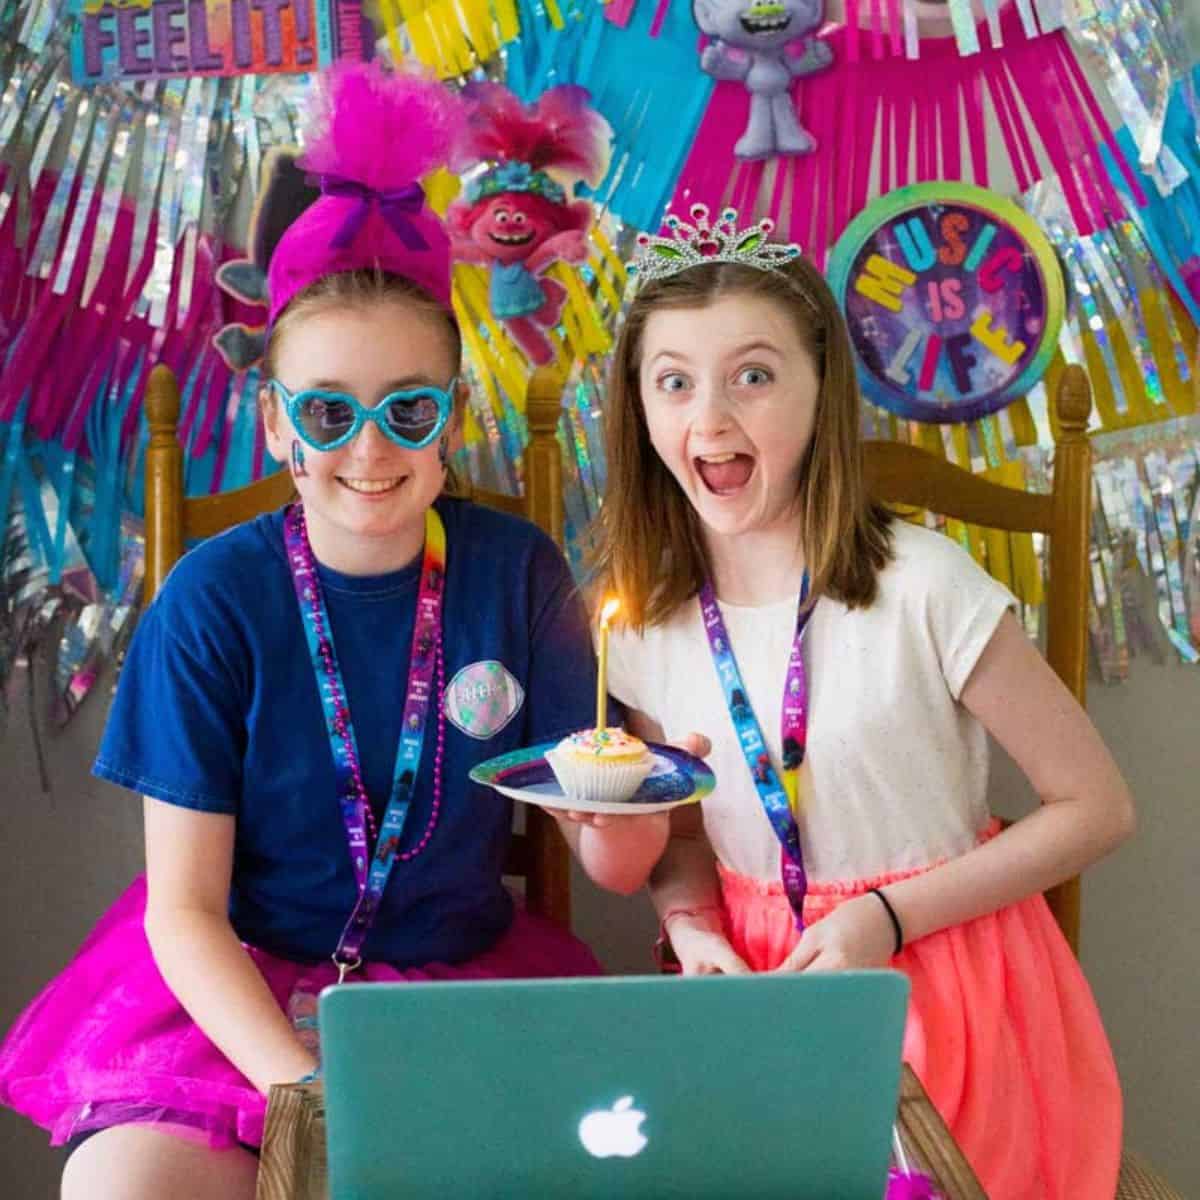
column 904, row 475
column 539, row 856
column 896, row 473
column 899, row 474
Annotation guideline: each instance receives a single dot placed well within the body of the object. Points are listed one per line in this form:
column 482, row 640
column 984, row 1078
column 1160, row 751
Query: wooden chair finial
column 164, row 478
column 162, row 399
column 543, row 400
column 1073, row 403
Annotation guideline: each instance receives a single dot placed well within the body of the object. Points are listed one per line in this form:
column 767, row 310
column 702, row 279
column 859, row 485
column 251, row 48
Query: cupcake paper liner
column 597, row 782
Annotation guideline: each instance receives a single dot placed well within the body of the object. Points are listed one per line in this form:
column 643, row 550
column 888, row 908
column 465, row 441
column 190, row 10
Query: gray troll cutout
column 285, row 191
column 750, row 40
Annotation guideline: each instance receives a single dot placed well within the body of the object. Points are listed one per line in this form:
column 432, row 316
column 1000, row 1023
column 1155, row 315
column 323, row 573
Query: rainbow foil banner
column 155, row 39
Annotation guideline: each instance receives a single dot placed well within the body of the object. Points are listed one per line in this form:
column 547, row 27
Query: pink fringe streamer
column 620, row 12
column 913, row 113
column 885, row 27
column 60, row 351
column 660, row 15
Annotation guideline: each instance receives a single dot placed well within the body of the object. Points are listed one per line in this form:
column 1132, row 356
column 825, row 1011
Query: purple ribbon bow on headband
column 395, row 206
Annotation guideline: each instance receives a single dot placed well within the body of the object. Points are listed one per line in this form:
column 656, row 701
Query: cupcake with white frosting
column 600, row 766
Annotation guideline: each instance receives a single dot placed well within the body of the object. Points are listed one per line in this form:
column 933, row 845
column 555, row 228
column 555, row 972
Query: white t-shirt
column 895, row 775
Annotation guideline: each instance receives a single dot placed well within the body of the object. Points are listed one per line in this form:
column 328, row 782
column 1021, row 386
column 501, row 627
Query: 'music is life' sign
column 153, row 39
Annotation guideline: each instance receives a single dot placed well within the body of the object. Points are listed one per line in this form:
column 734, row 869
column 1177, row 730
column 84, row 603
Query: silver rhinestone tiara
column 702, row 242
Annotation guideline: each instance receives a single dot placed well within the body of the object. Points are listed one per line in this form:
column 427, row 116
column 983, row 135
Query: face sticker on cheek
column 298, row 469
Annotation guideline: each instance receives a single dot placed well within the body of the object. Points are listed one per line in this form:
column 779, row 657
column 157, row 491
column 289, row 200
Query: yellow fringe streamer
column 587, row 334
column 1024, row 428
column 1008, row 557
column 1179, row 396
column 453, row 37
column 389, row 12
column 441, row 189
column 499, row 362
column 472, row 432
column 496, row 355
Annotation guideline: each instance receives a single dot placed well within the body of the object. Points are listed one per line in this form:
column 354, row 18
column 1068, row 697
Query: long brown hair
column 650, row 548
column 361, row 288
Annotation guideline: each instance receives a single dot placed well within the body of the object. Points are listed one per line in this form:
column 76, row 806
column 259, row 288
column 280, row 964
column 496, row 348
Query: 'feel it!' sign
column 155, row 39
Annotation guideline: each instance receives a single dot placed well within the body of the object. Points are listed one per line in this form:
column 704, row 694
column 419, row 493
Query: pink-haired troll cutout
column 518, row 236
column 516, row 218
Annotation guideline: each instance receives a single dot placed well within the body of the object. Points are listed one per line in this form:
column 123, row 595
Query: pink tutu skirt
column 107, row 1043
column 1002, row 1032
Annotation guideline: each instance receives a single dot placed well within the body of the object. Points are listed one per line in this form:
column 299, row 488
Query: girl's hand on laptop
column 857, row 934
column 702, row 949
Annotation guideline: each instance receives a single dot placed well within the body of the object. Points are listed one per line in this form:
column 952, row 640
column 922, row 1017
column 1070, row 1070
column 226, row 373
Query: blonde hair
column 360, row 288
column 650, row 547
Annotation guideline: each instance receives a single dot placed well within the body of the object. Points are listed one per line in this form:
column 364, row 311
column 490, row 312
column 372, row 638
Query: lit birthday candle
column 606, row 614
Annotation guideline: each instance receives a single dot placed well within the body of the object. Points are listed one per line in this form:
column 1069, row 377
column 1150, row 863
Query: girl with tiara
column 302, row 702
column 848, row 668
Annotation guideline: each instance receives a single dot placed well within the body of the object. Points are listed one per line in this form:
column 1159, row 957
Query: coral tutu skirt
column 1002, row 1032
column 106, row 1042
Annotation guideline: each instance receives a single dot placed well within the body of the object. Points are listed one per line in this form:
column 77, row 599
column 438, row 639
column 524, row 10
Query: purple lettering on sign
column 133, row 32
column 272, row 33
column 167, row 35
column 97, row 36
column 204, row 58
column 303, row 18
column 349, row 30
column 961, row 362
column 137, row 40
column 243, row 50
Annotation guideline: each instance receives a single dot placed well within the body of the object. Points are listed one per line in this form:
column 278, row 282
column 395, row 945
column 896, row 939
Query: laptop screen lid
column 702, row 1087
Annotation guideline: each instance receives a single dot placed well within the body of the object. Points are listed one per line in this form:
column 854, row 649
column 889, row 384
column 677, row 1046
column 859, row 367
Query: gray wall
column 65, row 857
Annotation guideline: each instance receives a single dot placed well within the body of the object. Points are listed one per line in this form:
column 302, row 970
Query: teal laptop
column 709, row 1087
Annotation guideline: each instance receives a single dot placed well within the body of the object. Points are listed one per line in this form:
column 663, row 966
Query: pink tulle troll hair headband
column 372, row 134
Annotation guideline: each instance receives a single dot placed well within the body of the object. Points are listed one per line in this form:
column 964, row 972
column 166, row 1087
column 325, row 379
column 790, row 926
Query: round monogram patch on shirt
column 482, row 698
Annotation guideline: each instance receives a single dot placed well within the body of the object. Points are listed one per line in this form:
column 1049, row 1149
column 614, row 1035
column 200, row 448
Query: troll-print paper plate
column 676, row 778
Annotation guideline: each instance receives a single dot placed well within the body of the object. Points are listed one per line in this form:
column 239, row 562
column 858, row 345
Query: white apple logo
column 608, row 1132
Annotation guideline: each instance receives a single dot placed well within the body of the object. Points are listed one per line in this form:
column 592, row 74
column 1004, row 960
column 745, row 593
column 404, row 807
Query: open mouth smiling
column 724, row 474
column 512, row 239
column 765, row 21
column 371, row 487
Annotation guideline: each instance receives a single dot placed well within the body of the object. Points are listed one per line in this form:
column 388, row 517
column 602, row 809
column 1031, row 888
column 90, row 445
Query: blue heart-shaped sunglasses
column 411, row 418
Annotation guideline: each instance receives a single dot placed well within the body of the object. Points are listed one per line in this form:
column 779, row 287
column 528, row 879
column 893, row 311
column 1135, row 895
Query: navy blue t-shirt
column 217, row 710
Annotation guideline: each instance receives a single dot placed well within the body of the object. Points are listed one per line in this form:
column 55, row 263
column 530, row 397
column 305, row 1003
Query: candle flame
column 609, row 611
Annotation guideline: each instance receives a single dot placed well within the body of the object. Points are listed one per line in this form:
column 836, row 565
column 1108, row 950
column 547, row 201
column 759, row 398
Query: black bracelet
column 891, row 912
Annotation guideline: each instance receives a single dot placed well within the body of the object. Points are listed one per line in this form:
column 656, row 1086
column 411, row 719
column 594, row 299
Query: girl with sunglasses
column 302, row 703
